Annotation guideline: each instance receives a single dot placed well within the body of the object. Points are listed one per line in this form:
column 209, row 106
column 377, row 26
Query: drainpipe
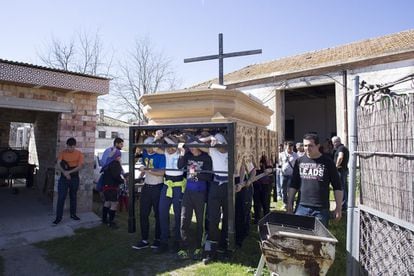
column 352, row 229
column 345, row 105
column 101, row 116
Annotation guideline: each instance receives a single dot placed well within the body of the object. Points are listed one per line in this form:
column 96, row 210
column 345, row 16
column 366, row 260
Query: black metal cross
column 221, row 56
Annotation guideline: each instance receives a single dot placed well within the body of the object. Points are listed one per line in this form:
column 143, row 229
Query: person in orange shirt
column 69, row 163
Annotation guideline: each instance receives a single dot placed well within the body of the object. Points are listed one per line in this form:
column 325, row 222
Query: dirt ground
column 28, row 260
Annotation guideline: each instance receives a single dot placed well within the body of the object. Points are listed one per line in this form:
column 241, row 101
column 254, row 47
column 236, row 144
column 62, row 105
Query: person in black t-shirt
column 341, row 158
column 199, row 166
column 312, row 175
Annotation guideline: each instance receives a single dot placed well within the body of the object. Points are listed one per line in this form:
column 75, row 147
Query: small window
column 101, row 134
column 114, row 134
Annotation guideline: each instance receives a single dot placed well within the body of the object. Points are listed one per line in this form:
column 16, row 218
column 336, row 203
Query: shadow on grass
column 103, row 251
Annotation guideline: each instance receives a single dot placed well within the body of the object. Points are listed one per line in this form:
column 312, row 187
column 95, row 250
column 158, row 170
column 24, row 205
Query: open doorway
column 27, row 150
column 310, row 109
column 16, row 170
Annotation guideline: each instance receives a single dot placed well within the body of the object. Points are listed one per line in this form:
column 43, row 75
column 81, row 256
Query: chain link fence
column 386, row 248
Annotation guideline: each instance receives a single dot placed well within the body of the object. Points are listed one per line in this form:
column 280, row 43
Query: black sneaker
column 161, row 249
column 56, row 221
column 74, row 217
column 209, row 258
column 140, row 245
column 156, row 244
column 113, row 225
column 176, row 246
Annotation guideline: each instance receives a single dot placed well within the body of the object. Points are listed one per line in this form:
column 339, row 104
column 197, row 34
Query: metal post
column 352, row 247
column 230, row 185
column 131, row 183
column 220, row 58
column 259, row 269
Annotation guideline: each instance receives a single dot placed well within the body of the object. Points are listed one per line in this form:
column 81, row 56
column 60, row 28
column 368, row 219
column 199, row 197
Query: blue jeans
column 319, row 213
column 64, row 185
column 278, row 184
column 343, row 176
column 285, row 179
column 164, row 209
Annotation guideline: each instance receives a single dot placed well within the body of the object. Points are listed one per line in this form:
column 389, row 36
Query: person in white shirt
column 217, row 198
column 287, row 160
column 171, row 194
column 300, row 149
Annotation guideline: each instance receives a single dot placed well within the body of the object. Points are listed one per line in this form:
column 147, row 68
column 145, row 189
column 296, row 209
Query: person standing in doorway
column 312, row 175
column 287, row 160
column 69, row 163
column 341, row 158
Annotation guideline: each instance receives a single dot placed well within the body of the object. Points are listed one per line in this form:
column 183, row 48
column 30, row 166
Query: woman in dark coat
column 112, row 178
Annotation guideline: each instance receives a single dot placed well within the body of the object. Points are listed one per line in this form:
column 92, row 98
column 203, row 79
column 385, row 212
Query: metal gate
column 380, row 232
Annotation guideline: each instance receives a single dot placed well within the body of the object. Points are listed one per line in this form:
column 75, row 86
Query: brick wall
column 81, row 124
column 52, row 129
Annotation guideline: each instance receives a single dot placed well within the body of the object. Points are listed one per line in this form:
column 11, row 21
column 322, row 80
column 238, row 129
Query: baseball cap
column 149, row 140
column 220, row 139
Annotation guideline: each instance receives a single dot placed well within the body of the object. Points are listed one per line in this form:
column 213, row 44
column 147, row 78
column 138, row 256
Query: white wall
column 101, row 143
column 377, row 74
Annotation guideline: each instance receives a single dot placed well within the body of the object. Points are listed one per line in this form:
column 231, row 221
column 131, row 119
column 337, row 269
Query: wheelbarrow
column 295, row 245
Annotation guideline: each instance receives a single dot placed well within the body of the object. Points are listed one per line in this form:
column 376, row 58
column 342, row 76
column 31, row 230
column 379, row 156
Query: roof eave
column 348, row 65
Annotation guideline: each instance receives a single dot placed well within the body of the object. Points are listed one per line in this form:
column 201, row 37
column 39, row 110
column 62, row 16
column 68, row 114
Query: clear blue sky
column 189, row 28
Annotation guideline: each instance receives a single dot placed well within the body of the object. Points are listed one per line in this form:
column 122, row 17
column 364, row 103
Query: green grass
column 102, row 251
column 339, row 231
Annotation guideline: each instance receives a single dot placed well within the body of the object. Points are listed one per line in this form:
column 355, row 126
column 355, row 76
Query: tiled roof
column 29, row 75
column 50, row 69
column 397, row 43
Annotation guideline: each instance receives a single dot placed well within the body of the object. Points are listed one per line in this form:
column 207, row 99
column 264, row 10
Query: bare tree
column 144, row 71
column 58, row 55
column 82, row 54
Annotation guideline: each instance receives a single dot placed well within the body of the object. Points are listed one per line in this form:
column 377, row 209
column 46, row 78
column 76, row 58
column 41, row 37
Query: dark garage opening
column 310, row 109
